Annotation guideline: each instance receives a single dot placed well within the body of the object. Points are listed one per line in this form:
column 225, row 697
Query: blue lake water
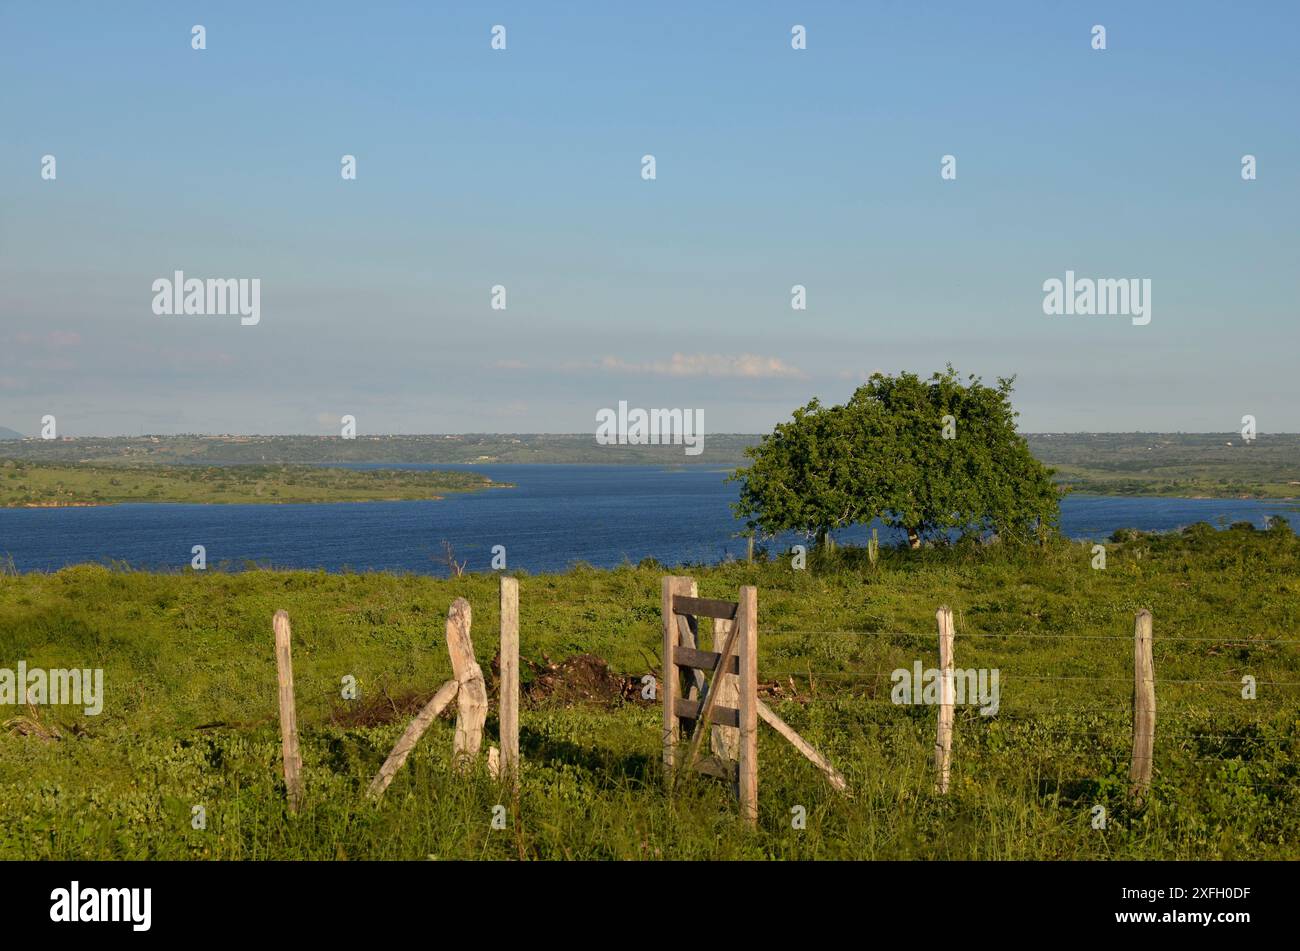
column 556, row 515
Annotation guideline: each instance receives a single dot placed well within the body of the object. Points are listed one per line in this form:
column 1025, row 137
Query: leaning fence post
column 509, row 686
column 288, row 714
column 943, row 739
column 410, row 736
column 1144, row 705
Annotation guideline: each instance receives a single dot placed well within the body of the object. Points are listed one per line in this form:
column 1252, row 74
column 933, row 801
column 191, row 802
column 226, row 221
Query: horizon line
column 360, row 436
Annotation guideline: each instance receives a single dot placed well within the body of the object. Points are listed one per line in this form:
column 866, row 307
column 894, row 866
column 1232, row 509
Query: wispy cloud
column 54, row 340
column 747, row 365
column 859, row 375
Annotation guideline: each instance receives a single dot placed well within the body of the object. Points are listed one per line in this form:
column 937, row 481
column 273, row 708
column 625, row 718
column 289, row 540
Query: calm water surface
column 556, row 515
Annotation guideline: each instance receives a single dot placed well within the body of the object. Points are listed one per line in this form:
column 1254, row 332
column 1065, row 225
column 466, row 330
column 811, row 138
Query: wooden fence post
column 509, row 687
column 471, row 697
column 671, row 682
column 288, row 713
column 943, row 739
column 1144, row 705
column 747, row 631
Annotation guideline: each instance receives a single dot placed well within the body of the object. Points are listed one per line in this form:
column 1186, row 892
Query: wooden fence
column 705, row 693
column 466, row 687
column 691, row 704
column 1144, row 704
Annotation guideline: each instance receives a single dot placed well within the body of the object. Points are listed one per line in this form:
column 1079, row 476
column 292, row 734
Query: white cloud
column 747, row 365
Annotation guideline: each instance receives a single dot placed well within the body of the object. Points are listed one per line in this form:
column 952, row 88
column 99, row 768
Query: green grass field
column 39, row 484
column 190, row 716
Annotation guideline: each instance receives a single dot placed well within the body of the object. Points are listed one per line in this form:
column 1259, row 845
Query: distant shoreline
column 1160, row 465
column 38, row 485
column 104, row 505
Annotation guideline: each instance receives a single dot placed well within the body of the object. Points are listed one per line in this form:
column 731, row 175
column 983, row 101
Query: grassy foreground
column 29, row 484
column 190, row 718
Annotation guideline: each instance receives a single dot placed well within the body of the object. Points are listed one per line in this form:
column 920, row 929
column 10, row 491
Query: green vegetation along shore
column 1163, row 464
column 1187, row 465
column 38, row 485
column 189, row 710
column 432, row 449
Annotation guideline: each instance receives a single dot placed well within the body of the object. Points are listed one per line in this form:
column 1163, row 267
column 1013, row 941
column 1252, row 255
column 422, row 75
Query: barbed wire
column 1156, row 638
column 1292, row 786
column 1247, row 737
column 1033, row 715
column 1159, row 680
column 1002, row 717
column 959, row 635
column 840, row 674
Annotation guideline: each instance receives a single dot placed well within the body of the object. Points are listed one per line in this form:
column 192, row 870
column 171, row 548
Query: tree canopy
column 927, row 456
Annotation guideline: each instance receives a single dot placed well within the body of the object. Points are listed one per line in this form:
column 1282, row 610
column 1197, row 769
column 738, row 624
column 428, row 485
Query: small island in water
column 26, row 484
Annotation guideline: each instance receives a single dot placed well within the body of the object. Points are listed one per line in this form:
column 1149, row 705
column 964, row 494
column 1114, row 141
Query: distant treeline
column 1220, row 464
column 719, row 450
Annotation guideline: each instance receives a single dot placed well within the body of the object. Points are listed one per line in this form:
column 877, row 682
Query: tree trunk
column 913, row 539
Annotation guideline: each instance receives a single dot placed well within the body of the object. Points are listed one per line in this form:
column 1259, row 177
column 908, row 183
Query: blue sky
column 522, row 168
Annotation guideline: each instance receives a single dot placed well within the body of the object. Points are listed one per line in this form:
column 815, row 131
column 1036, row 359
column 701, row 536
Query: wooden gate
column 695, row 706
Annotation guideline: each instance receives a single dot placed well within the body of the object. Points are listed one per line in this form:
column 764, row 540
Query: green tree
column 927, row 456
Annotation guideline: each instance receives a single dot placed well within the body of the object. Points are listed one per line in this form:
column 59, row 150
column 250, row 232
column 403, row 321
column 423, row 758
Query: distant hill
column 9, row 434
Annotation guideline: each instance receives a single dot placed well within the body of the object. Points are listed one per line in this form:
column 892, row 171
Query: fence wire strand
column 1064, row 637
